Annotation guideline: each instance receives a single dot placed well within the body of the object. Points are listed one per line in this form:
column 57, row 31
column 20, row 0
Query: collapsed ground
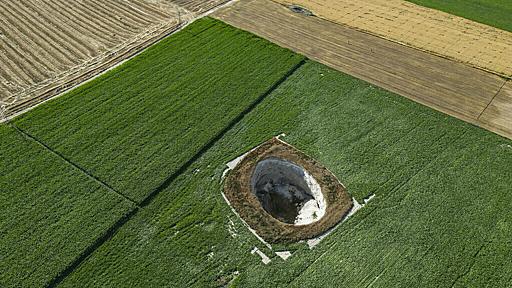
column 117, row 183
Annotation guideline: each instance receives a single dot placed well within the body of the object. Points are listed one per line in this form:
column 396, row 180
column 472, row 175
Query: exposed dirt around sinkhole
column 238, row 188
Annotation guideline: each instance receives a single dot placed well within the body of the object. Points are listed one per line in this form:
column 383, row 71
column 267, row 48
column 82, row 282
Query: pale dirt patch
column 443, row 34
column 284, row 254
column 274, row 219
column 264, row 258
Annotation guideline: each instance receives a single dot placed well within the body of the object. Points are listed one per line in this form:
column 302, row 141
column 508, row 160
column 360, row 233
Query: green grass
column 50, row 212
column 137, row 125
column 495, row 13
column 439, row 217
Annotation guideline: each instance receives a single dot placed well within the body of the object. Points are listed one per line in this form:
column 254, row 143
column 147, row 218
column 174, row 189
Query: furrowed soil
column 48, row 47
column 146, row 119
column 199, row 6
column 427, row 29
column 162, row 127
column 439, row 216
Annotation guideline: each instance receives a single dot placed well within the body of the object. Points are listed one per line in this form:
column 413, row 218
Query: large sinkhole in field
column 287, row 191
column 283, row 194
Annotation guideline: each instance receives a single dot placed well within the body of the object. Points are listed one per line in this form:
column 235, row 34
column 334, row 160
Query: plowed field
column 48, row 46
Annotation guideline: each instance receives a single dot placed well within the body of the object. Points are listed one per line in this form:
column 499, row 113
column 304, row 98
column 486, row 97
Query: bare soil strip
column 47, row 47
column 450, row 87
column 427, row 29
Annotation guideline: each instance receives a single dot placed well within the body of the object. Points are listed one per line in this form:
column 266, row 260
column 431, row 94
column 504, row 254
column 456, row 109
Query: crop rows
column 131, row 129
column 439, row 216
column 49, row 212
column 49, row 45
column 199, row 6
column 137, row 125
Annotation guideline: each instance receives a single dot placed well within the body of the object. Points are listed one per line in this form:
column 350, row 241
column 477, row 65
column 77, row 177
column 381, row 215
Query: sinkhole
column 287, row 191
column 284, row 195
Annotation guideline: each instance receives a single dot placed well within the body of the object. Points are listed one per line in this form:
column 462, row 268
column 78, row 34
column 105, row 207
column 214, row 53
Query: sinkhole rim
column 238, row 193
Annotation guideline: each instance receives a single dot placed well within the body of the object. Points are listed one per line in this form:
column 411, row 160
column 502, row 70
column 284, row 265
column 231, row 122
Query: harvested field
column 445, row 85
column 498, row 115
column 490, row 12
column 199, row 6
column 160, row 128
column 49, row 46
column 427, row 29
column 58, row 203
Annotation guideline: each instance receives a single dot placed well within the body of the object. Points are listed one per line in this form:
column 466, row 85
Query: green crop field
column 160, row 129
column 439, row 215
column 497, row 13
column 49, row 212
column 132, row 129
column 137, row 125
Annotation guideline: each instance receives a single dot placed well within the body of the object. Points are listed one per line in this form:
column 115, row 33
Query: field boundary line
column 74, row 165
column 287, row 3
column 468, row 269
column 93, row 247
column 166, row 183
column 493, row 97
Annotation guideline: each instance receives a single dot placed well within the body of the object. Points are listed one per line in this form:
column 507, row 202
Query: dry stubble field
column 437, row 32
column 48, row 46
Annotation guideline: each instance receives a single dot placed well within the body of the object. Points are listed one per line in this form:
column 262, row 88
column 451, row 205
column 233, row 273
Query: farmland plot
column 48, row 46
column 436, row 32
column 135, row 126
column 439, row 214
column 50, row 212
column 199, row 6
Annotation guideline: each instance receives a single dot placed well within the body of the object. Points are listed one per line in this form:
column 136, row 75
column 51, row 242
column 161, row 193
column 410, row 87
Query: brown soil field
column 427, row 29
column 46, row 46
column 448, row 86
